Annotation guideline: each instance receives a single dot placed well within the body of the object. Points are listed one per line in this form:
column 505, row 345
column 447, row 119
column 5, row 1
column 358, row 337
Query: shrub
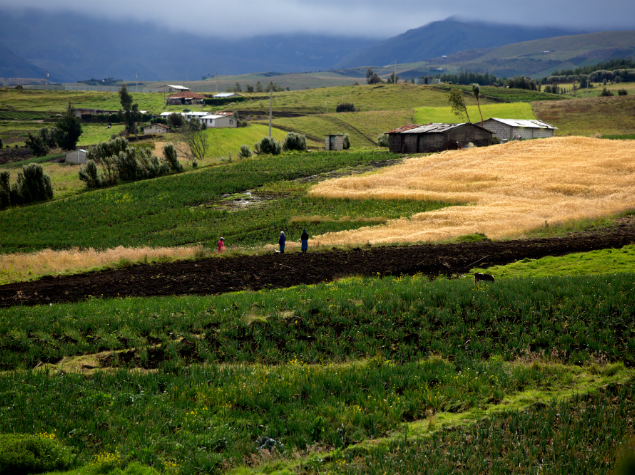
column 159, row 120
column 270, row 146
column 26, row 454
column 621, row 92
column 294, row 141
column 175, row 120
column 89, row 174
column 1, row 143
column 382, row 140
column 171, row 157
column 5, row 189
column 244, row 151
column 606, row 92
column 36, row 143
column 345, row 107
column 32, row 185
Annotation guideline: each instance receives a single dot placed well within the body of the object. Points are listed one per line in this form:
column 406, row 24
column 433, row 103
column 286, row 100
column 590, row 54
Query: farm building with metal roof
column 416, row 138
column 508, row 129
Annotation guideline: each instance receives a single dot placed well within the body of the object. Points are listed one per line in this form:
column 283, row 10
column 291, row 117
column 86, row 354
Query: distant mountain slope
column 13, row 66
column 443, row 38
column 75, row 47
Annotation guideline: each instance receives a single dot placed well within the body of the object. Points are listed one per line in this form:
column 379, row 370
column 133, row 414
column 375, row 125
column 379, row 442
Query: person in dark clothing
column 282, row 241
column 305, row 241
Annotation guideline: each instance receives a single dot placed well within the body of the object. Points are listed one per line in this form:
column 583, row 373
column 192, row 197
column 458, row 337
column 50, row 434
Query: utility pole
column 216, row 82
column 587, row 87
column 137, row 86
column 47, row 80
column 270, row 110
column 394, row 78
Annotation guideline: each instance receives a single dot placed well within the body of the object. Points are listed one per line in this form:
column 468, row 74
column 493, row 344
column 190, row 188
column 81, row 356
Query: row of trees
column 121, row 162
column 271, row 87
column 31, row 186
column 292, row 142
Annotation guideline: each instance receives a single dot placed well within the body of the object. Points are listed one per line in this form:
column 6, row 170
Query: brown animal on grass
column 486, row 277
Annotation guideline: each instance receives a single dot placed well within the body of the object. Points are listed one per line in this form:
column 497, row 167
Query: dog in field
column 485, row 277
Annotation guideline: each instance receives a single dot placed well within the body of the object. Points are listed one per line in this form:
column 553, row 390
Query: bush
column 175, row 120
column 5, row 189
column 38, row 146
column 269, row 146
column 382, row 140
column 346, row 107
column 26, row 454
column 621, row 92
column 606, row 92
column 171, row 157
column 89, row 174
column 294, row 141
column 159, row 120
column 1, row 143
column 244, row 151
column 32, row 185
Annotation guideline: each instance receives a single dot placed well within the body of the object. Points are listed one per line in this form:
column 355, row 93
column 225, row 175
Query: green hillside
column 424, row 115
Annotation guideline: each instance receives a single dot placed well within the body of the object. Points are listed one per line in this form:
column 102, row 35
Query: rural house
column 507, row 129
column 218, row 121
column 156, row 129
column 185, row 98
column 415, row 138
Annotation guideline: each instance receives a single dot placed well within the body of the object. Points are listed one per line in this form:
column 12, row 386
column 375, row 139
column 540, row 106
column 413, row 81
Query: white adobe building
column 214, row 121
column 507, row 129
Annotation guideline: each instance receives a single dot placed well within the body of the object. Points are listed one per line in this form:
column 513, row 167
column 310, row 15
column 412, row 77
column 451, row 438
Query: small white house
column 76, row 157
column 215, row 121
column 507, row 129
column 156, row 129
column 169, row 88
column 226, row 95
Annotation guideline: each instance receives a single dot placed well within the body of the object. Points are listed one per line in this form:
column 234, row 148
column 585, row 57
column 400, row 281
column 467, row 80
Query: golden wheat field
column 24, row 266
column 505, row 190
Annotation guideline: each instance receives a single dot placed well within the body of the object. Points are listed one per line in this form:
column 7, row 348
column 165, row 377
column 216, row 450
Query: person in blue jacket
column 305, row 241
column 282, row 241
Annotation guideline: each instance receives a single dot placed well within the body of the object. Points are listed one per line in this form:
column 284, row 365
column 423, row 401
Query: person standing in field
column 305, row 241
column 282, row 241
column 221, row 245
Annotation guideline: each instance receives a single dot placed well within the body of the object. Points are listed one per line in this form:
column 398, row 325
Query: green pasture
column 519, row 110
column 362, row 127
column 223, row 141
column 502, row 94
column 196, row 207
column 605, row 261
column 597, row 88
column 587, row 117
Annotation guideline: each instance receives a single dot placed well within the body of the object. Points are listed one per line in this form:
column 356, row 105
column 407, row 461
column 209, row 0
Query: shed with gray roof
column 508, row 129
column 416, row 138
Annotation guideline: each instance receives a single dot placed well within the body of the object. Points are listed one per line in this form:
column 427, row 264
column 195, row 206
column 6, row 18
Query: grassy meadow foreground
column 511, row 189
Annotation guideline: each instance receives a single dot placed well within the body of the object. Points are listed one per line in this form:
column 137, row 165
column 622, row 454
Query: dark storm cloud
column 376, row 18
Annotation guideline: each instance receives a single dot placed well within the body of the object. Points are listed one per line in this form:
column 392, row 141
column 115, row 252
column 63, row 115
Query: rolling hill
column 441, row 38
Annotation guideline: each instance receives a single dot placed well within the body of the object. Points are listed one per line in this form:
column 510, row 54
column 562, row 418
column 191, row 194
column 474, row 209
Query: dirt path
column 215, row 276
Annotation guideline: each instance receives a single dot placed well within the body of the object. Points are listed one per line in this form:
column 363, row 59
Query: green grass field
column 599, row 115
column 520, row 110
column 223, row 141
column 363, row 127
column 501, row 94
column 606, row 261
column 596, row 90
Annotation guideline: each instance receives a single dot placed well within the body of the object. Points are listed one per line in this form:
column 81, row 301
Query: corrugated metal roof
column 531, row 124
column 225, row 94
column 425, row 129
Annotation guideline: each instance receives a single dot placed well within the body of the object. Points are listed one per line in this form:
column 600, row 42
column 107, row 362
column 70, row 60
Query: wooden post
column 270, row 110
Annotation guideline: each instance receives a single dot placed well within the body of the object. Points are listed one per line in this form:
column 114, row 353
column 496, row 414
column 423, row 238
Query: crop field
column 513, row 188
column 17, row 132
column 169, row 358
column 501, row 94
column 596, row 90
column 588, row 117
column 519, row 110
column 321, row 370
column 199, row 207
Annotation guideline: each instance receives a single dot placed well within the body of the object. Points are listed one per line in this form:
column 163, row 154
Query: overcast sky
column 375, row 18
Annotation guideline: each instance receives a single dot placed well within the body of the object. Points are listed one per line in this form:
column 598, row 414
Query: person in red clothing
column 221, row 245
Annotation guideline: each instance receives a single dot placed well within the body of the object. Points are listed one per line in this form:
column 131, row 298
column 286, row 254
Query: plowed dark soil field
column 220, row 275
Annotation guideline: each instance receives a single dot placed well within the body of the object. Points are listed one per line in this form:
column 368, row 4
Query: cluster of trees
column 466, row 78
column 121, row 162
column 346, row 107
column 372, row 77
column 457, row 102
column 31, row 186
column 611, row 65
column 65, row 135
column 522, row 82
column 271, row 87
column 608, row 93
column 270, row 146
